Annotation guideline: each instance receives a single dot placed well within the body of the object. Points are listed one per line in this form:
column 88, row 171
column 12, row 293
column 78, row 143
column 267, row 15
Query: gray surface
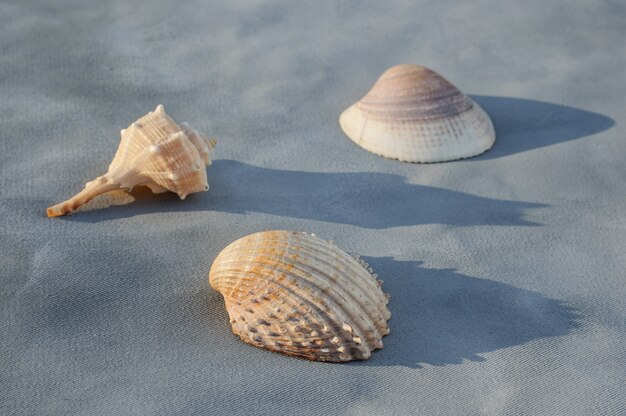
column 506, row 271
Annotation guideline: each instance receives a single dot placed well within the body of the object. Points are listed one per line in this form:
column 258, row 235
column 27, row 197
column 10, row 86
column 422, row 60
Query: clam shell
column 156, row 152
column 414, row 114
column 296, row 294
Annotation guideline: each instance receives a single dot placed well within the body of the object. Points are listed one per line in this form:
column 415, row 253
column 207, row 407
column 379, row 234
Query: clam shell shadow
column 522, row 125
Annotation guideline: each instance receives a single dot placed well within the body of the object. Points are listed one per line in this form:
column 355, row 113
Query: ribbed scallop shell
column 413, row 114
column 156, row 152
column 296, row 294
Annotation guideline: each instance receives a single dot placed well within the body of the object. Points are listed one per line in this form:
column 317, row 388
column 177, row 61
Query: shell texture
column 414, row 114
column 156, row 152
column 299, row 295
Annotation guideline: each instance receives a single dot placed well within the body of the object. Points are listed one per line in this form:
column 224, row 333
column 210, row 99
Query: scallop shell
column 413, row 114
column 155, row 152
column 296, row 294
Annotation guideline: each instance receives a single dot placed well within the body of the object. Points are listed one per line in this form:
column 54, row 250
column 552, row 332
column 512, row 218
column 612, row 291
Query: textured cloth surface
column 506, row 271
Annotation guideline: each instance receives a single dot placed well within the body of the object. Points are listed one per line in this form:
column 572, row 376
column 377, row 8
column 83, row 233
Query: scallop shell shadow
column 415, row 115
column 296, row 294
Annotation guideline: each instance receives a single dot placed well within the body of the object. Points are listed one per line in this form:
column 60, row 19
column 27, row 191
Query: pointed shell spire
column 414, row 114
column 155, row 152
column 296, row 294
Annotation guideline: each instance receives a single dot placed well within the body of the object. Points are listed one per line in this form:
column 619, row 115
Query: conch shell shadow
column 352, row 198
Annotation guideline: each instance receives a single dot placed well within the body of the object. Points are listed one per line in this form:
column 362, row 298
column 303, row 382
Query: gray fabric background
column 506, row 271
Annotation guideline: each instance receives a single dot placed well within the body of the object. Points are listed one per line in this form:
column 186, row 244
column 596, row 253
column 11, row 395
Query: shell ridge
column 296, row 291
column 353, row 266
column 157, row 122
column 289, row 289
column 320, row 341
column 350, row 283
column 340, row 289
column 354, row 287
column 416, row 112
column 346, row 316
column 138, row 138
column 343, row 295
column 178, row 164
column 350, row 267
column 319, row 312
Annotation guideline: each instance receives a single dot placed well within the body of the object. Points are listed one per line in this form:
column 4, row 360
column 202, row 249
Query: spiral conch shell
column 296, row 294
column 413, row 114
column 155, row 152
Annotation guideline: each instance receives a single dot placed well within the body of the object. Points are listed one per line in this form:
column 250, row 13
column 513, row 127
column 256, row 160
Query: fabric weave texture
column 506, row 271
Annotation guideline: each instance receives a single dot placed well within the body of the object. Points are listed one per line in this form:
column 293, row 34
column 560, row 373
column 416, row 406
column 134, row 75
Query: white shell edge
column 474, row 134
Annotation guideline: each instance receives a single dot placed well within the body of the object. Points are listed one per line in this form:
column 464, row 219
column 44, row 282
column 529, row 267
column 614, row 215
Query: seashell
column 413, row 114
column 296, row 294
column 155, row 152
